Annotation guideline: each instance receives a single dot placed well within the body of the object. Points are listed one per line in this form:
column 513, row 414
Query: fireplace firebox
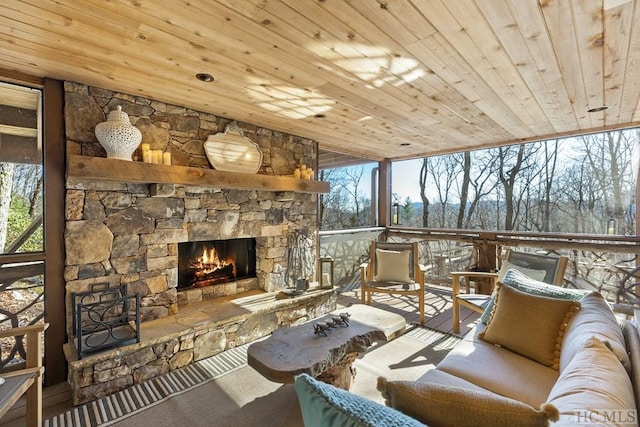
column 207, row 263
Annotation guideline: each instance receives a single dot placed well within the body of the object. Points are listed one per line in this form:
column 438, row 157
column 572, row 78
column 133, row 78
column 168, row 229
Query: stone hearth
column 198, row 331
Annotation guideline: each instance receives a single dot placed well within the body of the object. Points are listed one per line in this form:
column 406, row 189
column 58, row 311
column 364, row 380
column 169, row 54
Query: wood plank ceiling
column 370, row 78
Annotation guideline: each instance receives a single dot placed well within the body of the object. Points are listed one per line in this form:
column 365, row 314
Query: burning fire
column 209, row 262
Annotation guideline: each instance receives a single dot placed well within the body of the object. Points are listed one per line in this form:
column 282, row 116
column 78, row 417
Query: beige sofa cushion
column 530, row 325
column 440, row 405
column 595, row 318
column 443, row 378
column 594, row 389
column 499, row 370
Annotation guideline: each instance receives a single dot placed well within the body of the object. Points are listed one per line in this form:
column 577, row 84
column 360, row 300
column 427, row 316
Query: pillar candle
column 166, row 158
column 146, row 153
column 296, row 173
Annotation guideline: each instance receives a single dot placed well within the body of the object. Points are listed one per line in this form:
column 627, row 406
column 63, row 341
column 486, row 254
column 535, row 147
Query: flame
column 209, row 262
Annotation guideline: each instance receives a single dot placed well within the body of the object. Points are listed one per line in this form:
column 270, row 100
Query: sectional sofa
column 542, row 355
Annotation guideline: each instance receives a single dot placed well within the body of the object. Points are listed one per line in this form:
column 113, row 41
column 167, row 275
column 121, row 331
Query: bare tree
column 609, row 156
column 465, row 163
column 345, row 206
column 512, row 163
column 6, row 190
column 423, row 191
column 444, row 171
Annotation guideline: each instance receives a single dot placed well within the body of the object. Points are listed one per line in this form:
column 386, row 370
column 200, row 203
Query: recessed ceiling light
column 598, row 109
column 320, row 116
column 204, row 77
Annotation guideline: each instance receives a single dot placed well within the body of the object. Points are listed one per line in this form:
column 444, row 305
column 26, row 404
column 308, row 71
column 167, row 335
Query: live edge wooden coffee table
column 292, row 351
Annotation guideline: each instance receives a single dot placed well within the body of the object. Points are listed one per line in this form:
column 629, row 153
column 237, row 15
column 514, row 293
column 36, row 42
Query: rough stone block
column 80, row 249
column 115, row 200
column 271, row 231
column 155, row 251
column 156, row 284
column 165, row 236
column 129, row 264
column 125, row 245
column 194, row 295
column 152, row 370
column 107, row 365
column 74, row 204
column 256, row 326
column 162, row 207
column 162, row 190
column 130, row 221
column 180, row 359
column 208, row 344
column 162, row 263
column 111, row 374
column 85, row 394
column 141, row 357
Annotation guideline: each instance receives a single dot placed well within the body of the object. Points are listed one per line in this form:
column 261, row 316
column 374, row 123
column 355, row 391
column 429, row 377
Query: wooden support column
column 486, row 253
column 54, row 197
column 384, row 193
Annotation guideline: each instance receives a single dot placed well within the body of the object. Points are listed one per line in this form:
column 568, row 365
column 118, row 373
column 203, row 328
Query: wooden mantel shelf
column 103, row 169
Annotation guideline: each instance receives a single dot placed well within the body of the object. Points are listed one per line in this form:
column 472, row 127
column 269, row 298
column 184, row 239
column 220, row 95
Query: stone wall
column 118, row 232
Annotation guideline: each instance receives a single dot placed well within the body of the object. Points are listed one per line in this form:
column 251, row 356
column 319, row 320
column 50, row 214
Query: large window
column 348, row 205
column 21, row 181
column 582, row 184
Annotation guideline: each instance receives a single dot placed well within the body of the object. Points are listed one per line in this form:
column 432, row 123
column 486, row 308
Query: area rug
column 222, row 390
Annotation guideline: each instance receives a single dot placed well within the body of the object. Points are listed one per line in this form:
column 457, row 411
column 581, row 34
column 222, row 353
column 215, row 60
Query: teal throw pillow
column 516, row 280
column 324, row 405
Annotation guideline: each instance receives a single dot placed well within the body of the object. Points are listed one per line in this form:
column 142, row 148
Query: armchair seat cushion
column 500, row 370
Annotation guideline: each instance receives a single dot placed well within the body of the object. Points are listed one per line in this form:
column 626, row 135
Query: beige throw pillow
column 530, row 325
column 392, row 266
column 444, row 405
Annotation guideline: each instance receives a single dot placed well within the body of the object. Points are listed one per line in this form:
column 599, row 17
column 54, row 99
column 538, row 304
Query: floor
column 57, row 399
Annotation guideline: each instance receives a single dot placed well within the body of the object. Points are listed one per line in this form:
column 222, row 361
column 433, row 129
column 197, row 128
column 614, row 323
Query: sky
column 403, row 172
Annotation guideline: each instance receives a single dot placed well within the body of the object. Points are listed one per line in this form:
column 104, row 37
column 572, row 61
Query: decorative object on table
column 300, row 263
column 118, row 136
column 321, row 328
column 231, row 151
column 326, row 272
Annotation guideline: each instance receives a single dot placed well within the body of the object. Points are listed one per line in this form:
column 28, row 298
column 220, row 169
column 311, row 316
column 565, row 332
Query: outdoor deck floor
column 437, row 308
column 57, row 399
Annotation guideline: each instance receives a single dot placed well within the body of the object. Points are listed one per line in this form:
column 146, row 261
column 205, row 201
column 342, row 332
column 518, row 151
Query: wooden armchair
column 27, row 380
column 393, row 268
column 548, row 269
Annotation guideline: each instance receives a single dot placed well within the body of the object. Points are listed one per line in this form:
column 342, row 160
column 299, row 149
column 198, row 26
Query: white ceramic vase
column 118, row 136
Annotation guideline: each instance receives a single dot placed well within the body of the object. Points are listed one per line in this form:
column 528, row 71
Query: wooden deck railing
column 608, row 264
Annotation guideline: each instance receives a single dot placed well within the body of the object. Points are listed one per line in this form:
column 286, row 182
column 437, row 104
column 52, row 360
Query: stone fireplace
column 126, row 233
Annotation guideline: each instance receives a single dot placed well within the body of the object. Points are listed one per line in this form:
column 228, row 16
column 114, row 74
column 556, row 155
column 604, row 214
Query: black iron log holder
column 105, row 317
